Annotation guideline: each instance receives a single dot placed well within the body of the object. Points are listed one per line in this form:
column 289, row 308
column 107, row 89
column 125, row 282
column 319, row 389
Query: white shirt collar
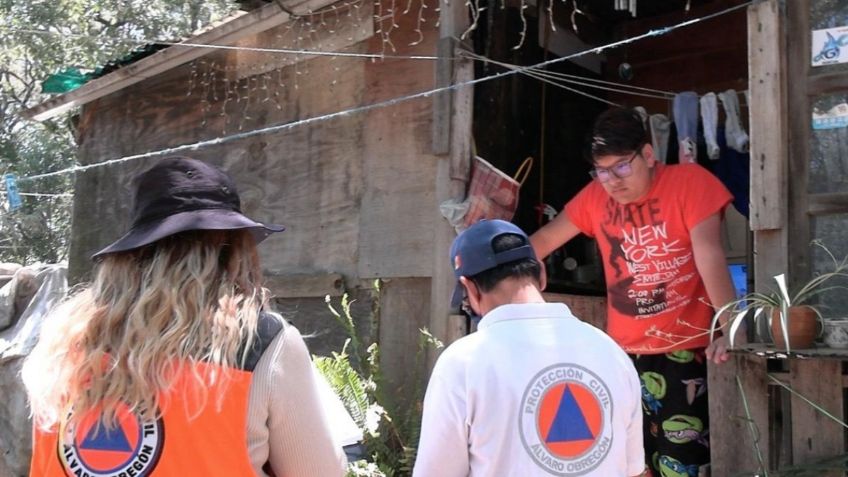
column 524, row 311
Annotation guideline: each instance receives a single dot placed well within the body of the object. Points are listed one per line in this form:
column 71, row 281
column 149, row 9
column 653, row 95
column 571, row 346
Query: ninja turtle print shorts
column 676, row 420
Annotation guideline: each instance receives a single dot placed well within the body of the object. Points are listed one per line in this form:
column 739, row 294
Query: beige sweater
column 286, row 426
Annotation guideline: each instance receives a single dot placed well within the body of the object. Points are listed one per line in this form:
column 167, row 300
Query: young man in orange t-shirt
column 658, row 229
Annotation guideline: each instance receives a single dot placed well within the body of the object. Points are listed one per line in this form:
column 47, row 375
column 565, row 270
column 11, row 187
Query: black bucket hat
column 179, row 194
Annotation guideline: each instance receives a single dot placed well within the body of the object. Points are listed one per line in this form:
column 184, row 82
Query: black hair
column 487, row 280
column 617, row 132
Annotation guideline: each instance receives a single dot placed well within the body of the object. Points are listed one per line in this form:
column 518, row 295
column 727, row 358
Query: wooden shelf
column 772, row 352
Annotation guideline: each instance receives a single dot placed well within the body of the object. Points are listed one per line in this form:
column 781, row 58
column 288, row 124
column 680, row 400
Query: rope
column 539, row 75
column 583, row 80
column 382, row 104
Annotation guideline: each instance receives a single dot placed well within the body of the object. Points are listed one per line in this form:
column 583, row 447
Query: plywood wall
column 356, row 193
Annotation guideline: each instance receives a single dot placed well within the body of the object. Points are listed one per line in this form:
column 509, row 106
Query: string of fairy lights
column 238, row 85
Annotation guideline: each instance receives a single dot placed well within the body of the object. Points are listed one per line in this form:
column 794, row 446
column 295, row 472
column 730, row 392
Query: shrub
column 390, row 431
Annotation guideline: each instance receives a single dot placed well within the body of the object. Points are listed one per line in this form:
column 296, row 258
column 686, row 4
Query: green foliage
column 38, row 39
column 391, row 431
column 38, row 231
column 350, row 386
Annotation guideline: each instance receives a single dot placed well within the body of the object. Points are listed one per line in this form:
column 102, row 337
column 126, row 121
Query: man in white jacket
column 534, row 392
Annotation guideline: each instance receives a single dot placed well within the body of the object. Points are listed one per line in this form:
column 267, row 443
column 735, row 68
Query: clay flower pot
column 802, row 325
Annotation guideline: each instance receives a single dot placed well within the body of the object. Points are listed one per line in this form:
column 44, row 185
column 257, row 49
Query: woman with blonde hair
column 167, row 363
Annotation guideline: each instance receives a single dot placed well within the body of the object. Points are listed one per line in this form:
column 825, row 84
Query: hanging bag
column 492, row 194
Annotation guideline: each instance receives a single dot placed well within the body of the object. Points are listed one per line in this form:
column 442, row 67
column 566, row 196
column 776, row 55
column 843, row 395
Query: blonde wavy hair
column 149, row 313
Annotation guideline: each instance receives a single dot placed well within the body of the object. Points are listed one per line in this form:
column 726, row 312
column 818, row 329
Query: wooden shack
column 360, row 191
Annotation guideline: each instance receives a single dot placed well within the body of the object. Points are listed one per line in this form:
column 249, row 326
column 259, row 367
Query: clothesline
column 381, row 104
column 551, row 75
column 586, row 81
column 36, row 194
column 685, row 117
column 542, row 75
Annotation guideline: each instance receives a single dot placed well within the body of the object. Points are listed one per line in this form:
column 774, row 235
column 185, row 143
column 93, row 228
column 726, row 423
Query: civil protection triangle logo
column 129, row 448
column 566, row 420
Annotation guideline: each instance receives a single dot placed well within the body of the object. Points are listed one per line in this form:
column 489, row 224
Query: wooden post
column 769, row 133
column 453, row 21
column 732, row 434
column 769, row 148
column 442, row 101
column 814, row 435
column 768, row 116
column 452, row 120
column 734, row 437
column 461, row 120
column 443, row 280
column 451, row 178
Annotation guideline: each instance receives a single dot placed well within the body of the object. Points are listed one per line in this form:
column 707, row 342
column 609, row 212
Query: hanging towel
column 709, row 118
column 737, row 138
column 686, row 120
column 660, row 130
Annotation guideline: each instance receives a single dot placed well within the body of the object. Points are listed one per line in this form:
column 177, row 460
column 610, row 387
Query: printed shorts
column 676, row 420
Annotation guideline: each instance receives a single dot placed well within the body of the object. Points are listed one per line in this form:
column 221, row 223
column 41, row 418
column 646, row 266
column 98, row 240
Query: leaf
column 347, row 384
column 737, row 321
column 781, row 283
column 784, row 329
column 392, row 432
column 717, row 316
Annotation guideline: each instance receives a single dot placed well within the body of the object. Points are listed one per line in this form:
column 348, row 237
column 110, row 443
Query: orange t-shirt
column 657, row 302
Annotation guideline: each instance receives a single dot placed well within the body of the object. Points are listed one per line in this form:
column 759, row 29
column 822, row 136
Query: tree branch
column 109, row 24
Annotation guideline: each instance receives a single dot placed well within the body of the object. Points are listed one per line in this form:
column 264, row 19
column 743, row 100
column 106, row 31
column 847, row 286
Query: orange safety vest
column 184, row 442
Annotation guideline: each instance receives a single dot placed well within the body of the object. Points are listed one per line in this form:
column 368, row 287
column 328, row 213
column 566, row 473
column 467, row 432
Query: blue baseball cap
column 472, row 253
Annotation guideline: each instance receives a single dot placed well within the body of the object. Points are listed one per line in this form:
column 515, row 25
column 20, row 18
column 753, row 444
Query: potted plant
column 794, row 317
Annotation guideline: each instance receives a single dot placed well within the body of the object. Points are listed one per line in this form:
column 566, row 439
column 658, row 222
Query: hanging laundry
column 643, row 114
column 709, row 118
column 737, row 138
column 686, row 120
column 12, row 195
column 733, row 170
column 660, row 129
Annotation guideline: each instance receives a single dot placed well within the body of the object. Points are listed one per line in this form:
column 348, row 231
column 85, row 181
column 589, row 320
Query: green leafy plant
column 390, row 431
column 780, row 300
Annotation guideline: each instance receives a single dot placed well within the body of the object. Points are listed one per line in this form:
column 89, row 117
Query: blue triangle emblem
column 102, row 438
column 569, row 423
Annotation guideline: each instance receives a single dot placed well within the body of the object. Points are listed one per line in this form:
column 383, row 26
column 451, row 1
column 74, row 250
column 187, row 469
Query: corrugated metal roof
column 151, row 48
column 150, row 62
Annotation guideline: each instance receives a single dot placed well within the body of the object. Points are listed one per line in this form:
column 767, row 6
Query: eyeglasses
column 620, row 170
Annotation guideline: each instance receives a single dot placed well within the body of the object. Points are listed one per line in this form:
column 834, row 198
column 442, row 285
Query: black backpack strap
column 269, row 326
